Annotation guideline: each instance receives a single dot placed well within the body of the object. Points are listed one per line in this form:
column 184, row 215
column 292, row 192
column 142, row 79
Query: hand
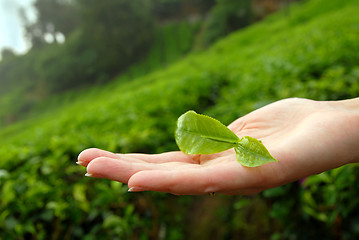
column 306, row 137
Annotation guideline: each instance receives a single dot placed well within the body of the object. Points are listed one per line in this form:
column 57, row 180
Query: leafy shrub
column 28, row 80
column 225, row 17
column 44, row 194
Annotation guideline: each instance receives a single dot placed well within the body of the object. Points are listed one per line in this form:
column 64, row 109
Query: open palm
column 306, row 137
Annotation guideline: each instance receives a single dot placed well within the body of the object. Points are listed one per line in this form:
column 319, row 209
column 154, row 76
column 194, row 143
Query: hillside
column 311, row 52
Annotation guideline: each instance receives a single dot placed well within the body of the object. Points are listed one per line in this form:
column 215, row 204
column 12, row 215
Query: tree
column 119, row 31
column 56, row 19
column 227, row 16
column 7, row 53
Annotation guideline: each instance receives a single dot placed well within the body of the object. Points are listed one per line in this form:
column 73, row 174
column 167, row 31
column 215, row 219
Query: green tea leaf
column 250, row 152
column 200, row 134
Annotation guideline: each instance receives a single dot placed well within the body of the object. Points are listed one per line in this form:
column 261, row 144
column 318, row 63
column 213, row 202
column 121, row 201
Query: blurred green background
column 116, row 74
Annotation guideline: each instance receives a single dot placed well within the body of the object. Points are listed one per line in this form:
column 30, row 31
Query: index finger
column 86, row 156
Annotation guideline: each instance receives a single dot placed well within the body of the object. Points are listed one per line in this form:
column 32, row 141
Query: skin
column 306, row 137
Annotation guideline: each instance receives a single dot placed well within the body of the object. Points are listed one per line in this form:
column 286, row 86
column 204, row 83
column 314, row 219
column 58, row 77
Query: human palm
column 299, row 133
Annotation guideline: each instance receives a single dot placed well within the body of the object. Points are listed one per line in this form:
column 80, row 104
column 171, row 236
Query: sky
column 12, row 34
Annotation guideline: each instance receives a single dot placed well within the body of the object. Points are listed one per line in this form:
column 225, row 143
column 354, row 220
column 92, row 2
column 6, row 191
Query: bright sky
column 11, row 27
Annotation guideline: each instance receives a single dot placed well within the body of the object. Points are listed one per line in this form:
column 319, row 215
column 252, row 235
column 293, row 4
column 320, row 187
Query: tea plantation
column 311, row 51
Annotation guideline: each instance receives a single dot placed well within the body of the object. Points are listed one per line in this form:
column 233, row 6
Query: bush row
column 44, row 194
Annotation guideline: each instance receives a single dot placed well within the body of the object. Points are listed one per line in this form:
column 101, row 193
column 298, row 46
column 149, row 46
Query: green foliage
column 54, row 18
column 7, row 53
column 250, row 152
column 117, row 32
column 311, row 53
column 171, row 42
column 227, row 16
column 27, row 80
column 201, row 134
column 176, row 9
column 325, row 205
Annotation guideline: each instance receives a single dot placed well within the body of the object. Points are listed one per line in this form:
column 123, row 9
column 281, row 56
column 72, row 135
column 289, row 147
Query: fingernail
column 136, row 189
column 88, row 175
column 80, row 162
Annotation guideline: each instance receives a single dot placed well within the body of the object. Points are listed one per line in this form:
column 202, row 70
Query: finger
column 198, row 180
column 180, row 182
column 121, row 170
column 89, row 154
column 175, row 156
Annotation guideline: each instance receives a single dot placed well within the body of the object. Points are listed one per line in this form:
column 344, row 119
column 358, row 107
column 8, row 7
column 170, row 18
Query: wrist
column 351, row 105
column 351, row 109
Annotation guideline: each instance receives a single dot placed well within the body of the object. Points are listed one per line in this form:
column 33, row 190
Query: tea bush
column 311, row 53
